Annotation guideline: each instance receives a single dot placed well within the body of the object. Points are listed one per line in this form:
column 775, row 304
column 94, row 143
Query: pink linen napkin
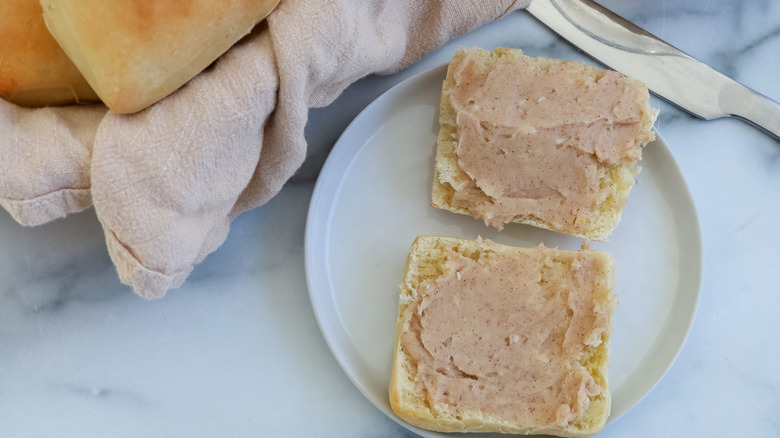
column 167, row 182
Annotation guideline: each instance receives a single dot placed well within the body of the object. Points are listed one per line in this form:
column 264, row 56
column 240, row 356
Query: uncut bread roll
column 34, row 71
column 493, row 338
column 135, row 53
column 539, row 141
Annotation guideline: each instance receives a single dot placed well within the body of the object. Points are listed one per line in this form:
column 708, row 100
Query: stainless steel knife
column 668, row 72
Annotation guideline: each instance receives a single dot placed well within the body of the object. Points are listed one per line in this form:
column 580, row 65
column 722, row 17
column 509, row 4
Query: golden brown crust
column 426, row 262
column 34, row 71
column 134, row 53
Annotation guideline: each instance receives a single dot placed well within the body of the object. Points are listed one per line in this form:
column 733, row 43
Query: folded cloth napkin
column 167, row 182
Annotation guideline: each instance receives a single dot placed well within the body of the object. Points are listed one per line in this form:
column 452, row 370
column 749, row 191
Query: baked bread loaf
column 134, row 53
column 34, row 71
column 493, row 338
column 539, row 141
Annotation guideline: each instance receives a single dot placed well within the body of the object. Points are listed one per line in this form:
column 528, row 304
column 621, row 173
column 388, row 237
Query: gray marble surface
column 237, row 352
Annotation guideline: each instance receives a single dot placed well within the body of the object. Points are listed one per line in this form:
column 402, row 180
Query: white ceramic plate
column 372, row 199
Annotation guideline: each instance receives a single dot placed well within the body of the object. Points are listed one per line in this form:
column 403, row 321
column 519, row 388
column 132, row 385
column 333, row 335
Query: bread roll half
column 539, row 141
column 493, row 338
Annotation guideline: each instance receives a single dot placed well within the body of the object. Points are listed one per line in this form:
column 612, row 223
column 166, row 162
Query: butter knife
column 668, row 72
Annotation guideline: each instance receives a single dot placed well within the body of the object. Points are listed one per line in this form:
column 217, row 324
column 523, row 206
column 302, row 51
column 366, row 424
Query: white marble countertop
column 236, row 351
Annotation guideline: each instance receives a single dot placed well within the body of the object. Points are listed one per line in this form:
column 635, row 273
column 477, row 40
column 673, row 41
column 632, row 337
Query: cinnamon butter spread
column 504, row 335
column 536, row 139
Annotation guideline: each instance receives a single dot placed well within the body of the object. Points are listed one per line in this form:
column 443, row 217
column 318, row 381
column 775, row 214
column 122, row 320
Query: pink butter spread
column 504, row 336
column 536, row 140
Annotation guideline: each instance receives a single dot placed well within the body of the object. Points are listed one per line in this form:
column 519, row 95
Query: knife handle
column 740, row 101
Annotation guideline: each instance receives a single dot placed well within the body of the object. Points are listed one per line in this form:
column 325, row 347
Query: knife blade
column 668, row 72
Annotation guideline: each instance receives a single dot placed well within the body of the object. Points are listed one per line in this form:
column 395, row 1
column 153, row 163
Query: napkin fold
column 167, row 182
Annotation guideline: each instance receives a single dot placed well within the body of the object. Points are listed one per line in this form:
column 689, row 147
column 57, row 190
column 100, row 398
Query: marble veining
column 236, row 351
